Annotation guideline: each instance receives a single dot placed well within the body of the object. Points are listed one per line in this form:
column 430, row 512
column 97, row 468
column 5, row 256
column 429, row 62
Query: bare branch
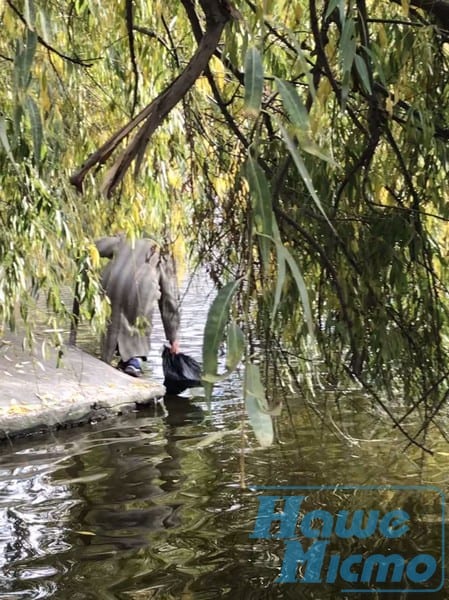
column 152, row 34
column 132, row 53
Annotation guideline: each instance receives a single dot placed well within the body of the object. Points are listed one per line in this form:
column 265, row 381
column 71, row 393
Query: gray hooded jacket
column 136, row 278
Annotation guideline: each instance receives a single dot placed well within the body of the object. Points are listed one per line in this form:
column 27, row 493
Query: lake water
column 161, row 503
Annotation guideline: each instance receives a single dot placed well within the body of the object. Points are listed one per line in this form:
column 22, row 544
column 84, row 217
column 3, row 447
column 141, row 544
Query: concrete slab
column 39, row 392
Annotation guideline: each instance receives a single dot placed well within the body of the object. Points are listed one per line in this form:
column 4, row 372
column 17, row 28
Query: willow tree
column 306, row 140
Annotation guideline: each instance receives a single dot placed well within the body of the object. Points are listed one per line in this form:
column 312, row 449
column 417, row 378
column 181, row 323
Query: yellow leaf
column 94, row 255
column 383, row 39
column 324, row 89
column 203, row 86
column 405, row 7
column 174, row 179
column 383, row 196
column 219, row 72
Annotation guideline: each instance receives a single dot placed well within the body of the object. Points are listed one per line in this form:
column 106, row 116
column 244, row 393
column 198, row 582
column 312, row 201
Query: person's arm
column 169, row 301
column 106, row 246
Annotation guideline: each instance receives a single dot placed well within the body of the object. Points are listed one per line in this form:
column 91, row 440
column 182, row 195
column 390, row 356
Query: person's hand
column 174, row 347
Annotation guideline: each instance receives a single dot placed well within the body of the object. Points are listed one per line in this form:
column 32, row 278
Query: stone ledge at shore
column 37, row 395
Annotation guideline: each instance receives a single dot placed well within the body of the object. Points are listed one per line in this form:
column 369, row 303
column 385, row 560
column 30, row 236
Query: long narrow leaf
column 253, row 81
column 347, row 45
column 332, row 6
column 27, row 57
column 36, row 127
column 362, row 70
column 302, row 169
column 280, row 272
column 293, row 104
column 280, row 279
column 301, row 285
column 213, row 332
column 235, row 345
column 262, row 206
column 5, row 143
column 29, row 13
column 256, row 406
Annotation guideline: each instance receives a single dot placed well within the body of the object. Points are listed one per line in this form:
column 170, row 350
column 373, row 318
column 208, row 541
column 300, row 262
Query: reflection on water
column 151, row 505
column 145, row 507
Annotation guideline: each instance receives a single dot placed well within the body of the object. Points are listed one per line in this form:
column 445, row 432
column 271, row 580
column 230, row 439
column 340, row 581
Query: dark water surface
column 158, row 504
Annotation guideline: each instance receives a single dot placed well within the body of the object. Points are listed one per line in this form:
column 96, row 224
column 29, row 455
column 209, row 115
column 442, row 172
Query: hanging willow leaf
column 29, row 13
column 285, row 255
column 280, row 278
column 262, row 207
column 253, row 81
column 347, row 45
column 299, row 117
column 293, row 104
column 25, row 57
column 347, row 55
column 362, row 70
column 235, row 345
column 257, row 407
column 332, row 6
column 5, row 143
column 302, row 169
column 213, row 332
column 36, row 127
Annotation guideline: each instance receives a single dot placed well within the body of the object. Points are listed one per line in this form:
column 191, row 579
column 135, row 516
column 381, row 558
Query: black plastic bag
column 180, row 372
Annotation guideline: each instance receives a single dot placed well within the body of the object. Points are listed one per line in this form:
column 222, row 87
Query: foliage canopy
column 298, row 147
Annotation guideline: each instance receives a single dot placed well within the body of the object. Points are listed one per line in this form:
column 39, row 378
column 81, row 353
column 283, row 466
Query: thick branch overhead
column 217, row 14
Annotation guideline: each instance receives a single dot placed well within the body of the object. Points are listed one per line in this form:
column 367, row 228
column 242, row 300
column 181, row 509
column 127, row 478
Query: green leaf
column 24, row 59
column 253, row 81
column 280, row 280
column 362, row 70
column 257, row 407
column 44, row 23
column 347, row 45
column 262, row 207
column 36, row 127
column 302, row 169
column 29, row 13
column 332, row 6
column 235, row 345
column 213, row 332
column 285, row 255
column 347, row 55
column 5, row 143
column 309, row 146
column 293, row 104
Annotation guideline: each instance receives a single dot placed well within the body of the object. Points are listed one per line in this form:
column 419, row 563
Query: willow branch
column 42, row 42
column 217, row 15
column 132, row 52
column 435, row 8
